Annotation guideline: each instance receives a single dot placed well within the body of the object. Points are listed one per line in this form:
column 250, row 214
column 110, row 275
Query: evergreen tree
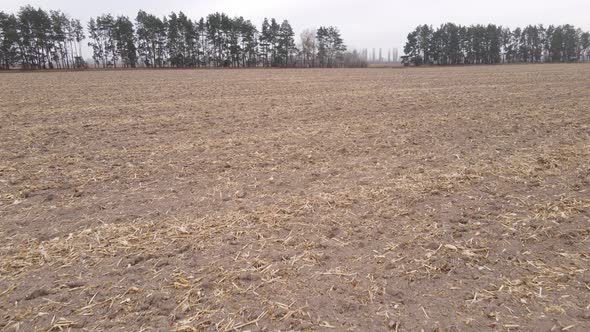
column 286, row 43
column 124, row 39
column 249, row 44
column 411, row 48
column 330, row 46
column 266, row 39
column 9, row 39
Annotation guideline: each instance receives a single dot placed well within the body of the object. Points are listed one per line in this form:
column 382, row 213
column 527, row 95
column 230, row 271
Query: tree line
column 452, row 44
column 36, row 39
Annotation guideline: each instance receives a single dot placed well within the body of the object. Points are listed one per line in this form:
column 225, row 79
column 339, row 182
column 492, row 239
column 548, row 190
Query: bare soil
column 442, row 199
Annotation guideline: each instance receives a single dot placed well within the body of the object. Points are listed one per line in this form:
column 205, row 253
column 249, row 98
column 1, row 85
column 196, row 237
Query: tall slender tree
column 9, row 39
column 285, row 43
column 124, row 40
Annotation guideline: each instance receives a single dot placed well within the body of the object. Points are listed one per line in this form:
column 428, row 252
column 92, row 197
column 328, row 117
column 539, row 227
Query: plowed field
column 443, row 199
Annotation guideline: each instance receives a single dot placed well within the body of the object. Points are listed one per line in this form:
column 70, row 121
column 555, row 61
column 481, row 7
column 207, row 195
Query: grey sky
column 368, row 23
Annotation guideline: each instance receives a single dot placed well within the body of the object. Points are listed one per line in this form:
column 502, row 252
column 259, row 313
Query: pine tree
column 124, row 39
column 286, row 42
column 8, row 40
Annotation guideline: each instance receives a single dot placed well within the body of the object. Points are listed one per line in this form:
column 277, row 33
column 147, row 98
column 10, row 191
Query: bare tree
column 308, row 47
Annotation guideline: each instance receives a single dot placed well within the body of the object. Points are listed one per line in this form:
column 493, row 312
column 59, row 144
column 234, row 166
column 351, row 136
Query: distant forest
column 36, row 39
column 453, row 44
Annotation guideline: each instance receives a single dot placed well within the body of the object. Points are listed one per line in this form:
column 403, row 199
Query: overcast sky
column 363, row 23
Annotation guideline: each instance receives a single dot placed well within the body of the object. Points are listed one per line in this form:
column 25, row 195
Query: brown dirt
column 443, row 199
